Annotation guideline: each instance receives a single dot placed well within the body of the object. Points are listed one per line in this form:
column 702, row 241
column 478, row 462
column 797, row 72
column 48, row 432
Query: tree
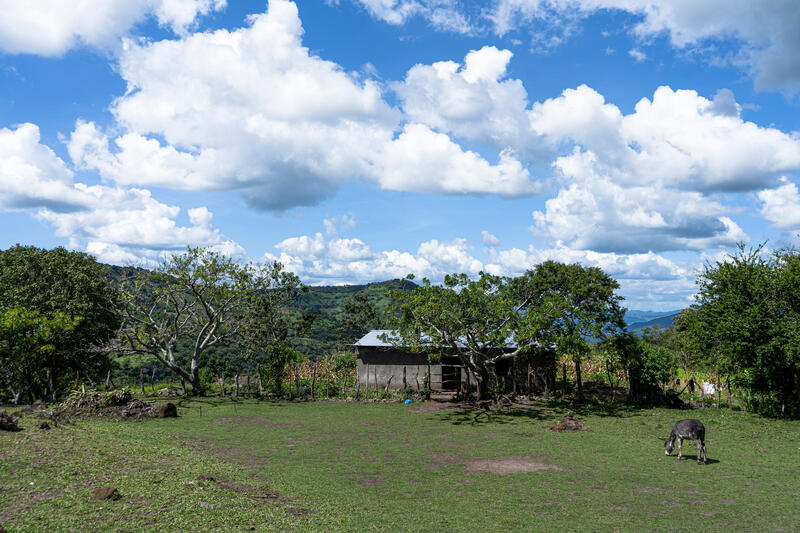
column 359, row 316
column 200, row 297
column 29, row 344
column 474, row 319
column 586, row 307
column 66, row 294
column 268, row 325
column 746, row 322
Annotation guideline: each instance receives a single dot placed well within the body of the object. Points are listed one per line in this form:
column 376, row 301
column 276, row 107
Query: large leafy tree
column 66, row 294
column 585, row 305
column 202, row 298
column 474, row 319
column 746, row 321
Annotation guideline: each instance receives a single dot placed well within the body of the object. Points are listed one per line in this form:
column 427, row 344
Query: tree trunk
column 109, row 383
column 221, row 384
column 247, row 381
column 405, row 384
column 529, row 380
column 579, row 394
column 183, row 384
column 52, row 385
column 236, row 384
column 358, row 386
column 728, row 388
column 296, row 379
column 141, row 379
column 153, row 379
column 386, row 390
column 427, row 383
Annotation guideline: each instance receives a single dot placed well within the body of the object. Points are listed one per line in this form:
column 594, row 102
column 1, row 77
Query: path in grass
column 333, row 466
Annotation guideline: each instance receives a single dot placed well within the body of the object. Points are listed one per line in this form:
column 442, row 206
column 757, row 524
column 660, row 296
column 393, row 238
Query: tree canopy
column 62, row 299
column 496, row 318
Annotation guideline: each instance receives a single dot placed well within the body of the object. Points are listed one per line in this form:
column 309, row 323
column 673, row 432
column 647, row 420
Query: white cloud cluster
column 441, row 14
column 118, row 225
column 473, row 100
column 336, row 260
column 32, row 175
column 253, row 110
column 644, row 277
column 52, row 27
column 781, row 206
column 637, row 182
column 766, row 31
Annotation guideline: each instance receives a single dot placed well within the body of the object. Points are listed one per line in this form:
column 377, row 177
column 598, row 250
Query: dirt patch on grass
column 568, row 424
column 512, row 465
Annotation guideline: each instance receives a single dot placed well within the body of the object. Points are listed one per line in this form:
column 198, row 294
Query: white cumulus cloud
column 52, row 27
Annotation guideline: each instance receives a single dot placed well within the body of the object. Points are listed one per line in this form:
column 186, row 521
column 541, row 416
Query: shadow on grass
column 485, row 413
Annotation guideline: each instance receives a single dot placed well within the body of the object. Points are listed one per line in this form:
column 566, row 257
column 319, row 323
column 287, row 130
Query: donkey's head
column 668, row 446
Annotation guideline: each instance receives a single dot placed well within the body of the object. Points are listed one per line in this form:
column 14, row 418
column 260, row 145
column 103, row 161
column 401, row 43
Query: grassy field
column 335, row 466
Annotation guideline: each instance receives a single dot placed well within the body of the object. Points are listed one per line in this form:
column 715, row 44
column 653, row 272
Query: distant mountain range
column 638, row 320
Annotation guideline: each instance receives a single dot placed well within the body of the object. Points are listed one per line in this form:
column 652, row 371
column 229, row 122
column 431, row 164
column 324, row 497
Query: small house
column 380, row 363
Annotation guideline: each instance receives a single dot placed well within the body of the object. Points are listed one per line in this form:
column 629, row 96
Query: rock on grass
column 167, row 410
column 106, row 493
column 8, row 422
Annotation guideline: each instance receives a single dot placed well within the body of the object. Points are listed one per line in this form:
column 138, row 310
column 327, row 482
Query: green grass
column 343, row 466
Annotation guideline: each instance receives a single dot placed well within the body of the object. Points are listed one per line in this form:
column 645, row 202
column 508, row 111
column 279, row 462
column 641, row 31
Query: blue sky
column 361, row 140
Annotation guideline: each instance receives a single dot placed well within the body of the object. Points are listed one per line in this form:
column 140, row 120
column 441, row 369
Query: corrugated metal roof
column 373, row 339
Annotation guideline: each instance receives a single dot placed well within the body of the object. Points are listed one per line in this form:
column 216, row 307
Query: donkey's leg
column 680, row 448
column 700, row 447
column 705, row 457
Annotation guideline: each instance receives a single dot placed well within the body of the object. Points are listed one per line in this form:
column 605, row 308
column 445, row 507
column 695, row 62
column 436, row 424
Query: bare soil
column 512, row 465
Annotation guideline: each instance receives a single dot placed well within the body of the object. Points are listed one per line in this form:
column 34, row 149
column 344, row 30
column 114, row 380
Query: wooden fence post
column 366, row 384
column 404, row 378
column 358, row 386
column 153, row 379
column 313, row 378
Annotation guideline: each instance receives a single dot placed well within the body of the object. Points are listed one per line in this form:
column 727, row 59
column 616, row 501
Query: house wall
column 387, row 362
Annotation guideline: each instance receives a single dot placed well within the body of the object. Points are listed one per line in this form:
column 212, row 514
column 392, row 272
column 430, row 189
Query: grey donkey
column 688, row 429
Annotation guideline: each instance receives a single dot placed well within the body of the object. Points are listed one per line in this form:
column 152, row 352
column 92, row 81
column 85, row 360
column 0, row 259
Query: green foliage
column 327, row 304
column 359, row 316
column 199, row 302
column 551, row 305
column 64, row 303
column 273, row 365
column 746, row 324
